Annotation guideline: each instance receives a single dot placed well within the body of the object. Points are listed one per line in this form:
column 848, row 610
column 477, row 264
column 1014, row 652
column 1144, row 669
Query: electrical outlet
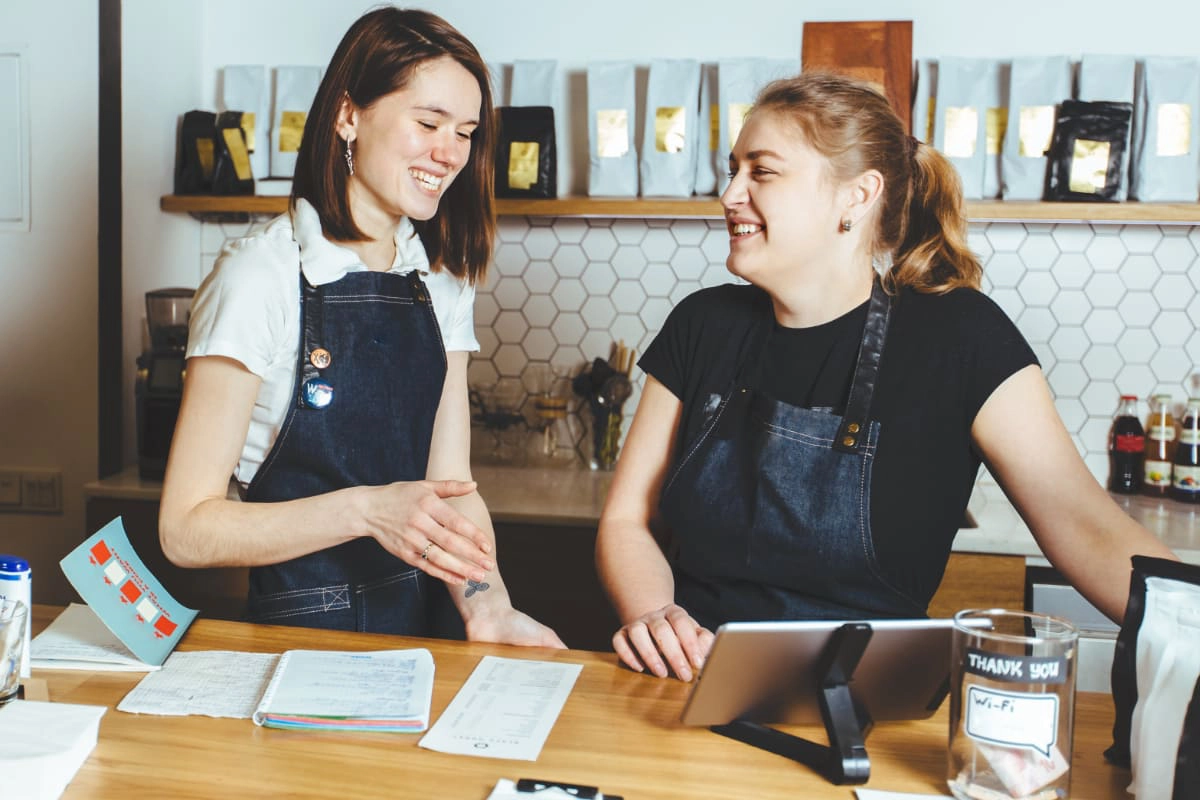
column 41, row 490
column 37, row 491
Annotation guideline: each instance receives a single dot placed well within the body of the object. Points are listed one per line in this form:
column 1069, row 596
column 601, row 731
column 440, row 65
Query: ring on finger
column 425, row 552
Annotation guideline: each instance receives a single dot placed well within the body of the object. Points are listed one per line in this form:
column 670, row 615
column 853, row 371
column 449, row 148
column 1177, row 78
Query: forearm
column 473, row 601
column 1095, row 554
column 219, row 532
column 633, row 570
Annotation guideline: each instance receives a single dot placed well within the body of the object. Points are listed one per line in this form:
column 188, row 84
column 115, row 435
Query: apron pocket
column 317, row 607
column 396, row 604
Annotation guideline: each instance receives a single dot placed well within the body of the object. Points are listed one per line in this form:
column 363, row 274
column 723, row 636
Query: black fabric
column 945, row 355
column 1124, row 675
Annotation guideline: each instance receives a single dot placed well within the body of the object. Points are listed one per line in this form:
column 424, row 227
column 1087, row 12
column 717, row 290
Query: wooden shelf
column 709, row 208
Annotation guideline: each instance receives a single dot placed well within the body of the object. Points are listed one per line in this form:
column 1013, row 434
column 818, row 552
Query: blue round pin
column 317, row 393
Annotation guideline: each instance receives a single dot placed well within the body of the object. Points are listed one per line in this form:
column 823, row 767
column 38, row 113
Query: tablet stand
column 844, row 759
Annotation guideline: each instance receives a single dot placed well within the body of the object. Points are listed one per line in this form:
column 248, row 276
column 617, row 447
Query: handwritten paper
column 210, row 683
column 505, row 709
column 112, row 579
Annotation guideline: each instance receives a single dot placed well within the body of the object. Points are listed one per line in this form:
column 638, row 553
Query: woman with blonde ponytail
column 805, row 445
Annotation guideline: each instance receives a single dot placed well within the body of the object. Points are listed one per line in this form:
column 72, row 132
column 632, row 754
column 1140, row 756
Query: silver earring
column 349, row 156
column 846, row 224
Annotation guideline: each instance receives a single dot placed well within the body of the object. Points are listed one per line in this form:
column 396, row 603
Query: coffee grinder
column 160, row 371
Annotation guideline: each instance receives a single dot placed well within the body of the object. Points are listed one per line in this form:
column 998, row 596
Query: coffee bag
column 244, row 88
column 1110, row 78
column 1036, row 87
column 612, row 106
column 670, row 134
column 711, row 164
column 295, row 88
column 968, row 96
column 1164, row 164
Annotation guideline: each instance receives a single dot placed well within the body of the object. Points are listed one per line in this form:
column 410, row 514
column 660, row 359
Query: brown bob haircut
column 378, row 56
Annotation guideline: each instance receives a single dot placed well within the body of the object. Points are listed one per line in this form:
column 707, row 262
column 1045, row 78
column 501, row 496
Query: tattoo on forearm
column 476, row 586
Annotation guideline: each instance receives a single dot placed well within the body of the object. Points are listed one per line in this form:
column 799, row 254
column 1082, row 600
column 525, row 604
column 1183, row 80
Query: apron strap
column 312, row 320
column 851, row 434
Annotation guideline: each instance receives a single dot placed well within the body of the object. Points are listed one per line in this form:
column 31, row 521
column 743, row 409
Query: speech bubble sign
column 1012, row 719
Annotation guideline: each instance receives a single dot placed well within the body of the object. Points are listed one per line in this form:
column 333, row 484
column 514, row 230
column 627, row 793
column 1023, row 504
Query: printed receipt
column 505, row 709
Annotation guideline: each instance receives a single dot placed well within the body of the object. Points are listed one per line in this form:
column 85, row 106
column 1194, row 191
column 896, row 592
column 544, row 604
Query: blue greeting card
column 111, row 579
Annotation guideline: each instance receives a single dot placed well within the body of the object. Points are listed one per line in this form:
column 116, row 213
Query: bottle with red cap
column 1126, row 448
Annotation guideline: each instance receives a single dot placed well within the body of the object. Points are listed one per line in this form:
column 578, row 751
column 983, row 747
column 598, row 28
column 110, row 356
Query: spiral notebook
column 384, row 690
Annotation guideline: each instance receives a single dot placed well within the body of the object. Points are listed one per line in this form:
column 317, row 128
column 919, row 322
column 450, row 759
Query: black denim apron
column 387, row 365
column 769, row 507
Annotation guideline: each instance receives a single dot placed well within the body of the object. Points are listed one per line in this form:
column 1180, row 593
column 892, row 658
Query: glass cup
column 1012, row 705
column 13, row 618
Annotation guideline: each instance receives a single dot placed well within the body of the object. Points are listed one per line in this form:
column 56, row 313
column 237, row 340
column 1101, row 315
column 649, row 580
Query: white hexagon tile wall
column 1108, row 308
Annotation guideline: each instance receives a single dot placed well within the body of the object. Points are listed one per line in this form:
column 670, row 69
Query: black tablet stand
column 844, row 759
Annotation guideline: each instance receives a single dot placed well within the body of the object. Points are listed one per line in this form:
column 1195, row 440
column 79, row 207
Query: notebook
column 383, row 690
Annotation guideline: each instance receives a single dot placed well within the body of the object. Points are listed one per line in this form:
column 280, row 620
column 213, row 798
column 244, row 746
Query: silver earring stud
column 846, row 224
column 349, row 157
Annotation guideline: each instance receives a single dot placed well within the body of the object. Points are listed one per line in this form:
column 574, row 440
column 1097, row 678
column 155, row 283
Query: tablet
column 766, row 671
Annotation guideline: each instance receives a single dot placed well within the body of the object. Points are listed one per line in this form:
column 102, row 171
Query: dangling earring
column 349, row 156
column 846, row 224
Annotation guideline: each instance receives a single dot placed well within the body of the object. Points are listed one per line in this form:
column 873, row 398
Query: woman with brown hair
column 805, row 445
column 327, row 360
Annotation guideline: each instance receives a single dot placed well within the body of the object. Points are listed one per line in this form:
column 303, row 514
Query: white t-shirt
column 248, row 309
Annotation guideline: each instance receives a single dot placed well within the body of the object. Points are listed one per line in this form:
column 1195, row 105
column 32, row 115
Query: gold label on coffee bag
column 248, row 129
column 714, row 127
column 1089, row 166
column 1036, row 129
column 236, row 145
column 1174, row 129
column 670, row 129
column 995, row 125
column 612, row 132
column 962, row 131
column 291, row 129
column 737, row 117
column 204, row 152
column 522, row 164
column 930, row 119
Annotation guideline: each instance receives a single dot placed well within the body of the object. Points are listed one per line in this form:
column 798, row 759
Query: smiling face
column 410, row 145
column 781, row 209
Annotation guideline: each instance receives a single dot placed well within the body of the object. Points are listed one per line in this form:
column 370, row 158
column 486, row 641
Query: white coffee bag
column 295, row 88
column 671, row 134
column 1164, row 163
column 925, row 100
column 244, row 88
column 710, row 163
column 967, row 91
column 612, row 107
column 1105, row 77
column 1036, row 86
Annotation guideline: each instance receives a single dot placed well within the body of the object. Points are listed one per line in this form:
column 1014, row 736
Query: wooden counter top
column 618, row 730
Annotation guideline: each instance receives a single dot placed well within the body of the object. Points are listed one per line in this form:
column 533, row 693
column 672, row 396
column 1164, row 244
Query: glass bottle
column 1126, row 446
column 1160, row 447
column 1185, row 480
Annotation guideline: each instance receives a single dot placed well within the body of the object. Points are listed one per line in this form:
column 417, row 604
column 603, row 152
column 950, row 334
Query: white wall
column 48, row 318
column 179, row 58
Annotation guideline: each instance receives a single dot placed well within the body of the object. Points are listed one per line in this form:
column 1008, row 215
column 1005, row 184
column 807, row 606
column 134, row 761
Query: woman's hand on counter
column 666, row 637
column 413, row 521
column 510, row 626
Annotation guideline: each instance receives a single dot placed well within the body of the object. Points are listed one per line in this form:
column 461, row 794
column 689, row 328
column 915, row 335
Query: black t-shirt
column 944, row 356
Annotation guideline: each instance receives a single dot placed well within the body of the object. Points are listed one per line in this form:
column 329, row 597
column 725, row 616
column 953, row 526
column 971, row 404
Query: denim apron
column 769, row 506
column 386, row 366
